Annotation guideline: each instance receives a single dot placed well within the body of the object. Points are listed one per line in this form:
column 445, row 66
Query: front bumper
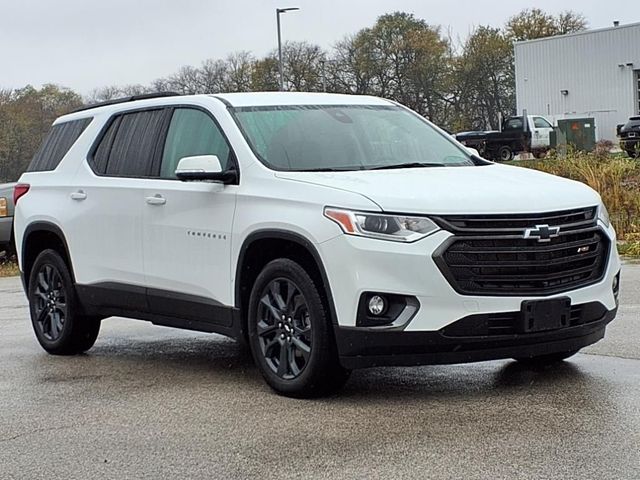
column 630, row 143
column 6, row 224
column 357, row 265
column 368, row 348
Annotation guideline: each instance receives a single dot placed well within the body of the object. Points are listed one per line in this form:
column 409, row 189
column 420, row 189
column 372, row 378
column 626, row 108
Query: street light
column 278, row 12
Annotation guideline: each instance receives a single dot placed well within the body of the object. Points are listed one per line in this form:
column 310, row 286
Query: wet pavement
column 153, row 402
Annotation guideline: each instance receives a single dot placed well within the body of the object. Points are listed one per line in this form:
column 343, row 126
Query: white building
column 595, row 73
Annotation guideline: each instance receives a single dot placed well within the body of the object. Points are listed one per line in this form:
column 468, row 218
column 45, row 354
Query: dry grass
column 629, row 249
column 8, row 269
column 616, row 178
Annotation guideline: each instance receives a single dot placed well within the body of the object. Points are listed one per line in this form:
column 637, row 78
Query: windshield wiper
column 407, row 165
column 330, row 169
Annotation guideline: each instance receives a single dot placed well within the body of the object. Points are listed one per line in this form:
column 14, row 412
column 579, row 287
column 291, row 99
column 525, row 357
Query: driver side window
column 192, row 132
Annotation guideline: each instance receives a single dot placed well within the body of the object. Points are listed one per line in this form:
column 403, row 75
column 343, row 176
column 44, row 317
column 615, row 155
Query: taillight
column 19, row 190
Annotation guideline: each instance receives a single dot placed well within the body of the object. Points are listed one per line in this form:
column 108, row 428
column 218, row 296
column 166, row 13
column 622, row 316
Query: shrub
column 603, row 148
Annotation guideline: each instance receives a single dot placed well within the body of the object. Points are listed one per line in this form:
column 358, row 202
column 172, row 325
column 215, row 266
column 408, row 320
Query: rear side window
column 514, row 124
column 130, row 144
column 60, row 139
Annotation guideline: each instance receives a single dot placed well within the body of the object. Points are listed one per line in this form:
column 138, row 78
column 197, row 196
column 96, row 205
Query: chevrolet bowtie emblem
column 542, row 233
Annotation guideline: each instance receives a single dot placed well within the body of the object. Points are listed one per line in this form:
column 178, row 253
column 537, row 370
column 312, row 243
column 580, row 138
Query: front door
column 540, row 135
column 187, row 226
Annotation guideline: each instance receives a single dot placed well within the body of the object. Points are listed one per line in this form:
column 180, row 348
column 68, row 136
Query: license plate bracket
column 545, row 315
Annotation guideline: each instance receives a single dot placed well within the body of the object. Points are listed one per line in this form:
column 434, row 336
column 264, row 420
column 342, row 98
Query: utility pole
column 324, row 75
column 278, row 12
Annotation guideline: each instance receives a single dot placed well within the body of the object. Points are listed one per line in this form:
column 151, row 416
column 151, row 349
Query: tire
column 539, row 154
column 633, row 154
column 543, row 360
column 290, row 333
column 56, row 317
column 505, row 154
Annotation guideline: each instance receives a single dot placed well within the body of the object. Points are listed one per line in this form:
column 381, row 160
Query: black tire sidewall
column 505, row 149
column 323, row 356
column 74, row 338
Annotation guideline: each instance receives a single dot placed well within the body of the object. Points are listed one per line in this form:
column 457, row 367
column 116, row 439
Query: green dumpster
column 578, row 132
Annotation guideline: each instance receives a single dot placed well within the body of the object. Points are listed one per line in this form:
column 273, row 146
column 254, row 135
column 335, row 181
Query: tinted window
column 60, row 139
column 130, row 144
column 192, row 132
column 540, row 122
column 514, row 124
column 101, row 155
column 135, row 143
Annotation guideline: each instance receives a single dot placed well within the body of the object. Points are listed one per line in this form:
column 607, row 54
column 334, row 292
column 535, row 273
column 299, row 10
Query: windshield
column 345, row 137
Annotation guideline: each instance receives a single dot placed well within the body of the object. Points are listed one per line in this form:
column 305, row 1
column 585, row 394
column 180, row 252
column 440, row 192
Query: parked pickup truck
column 630, row 137
column 515, row 136
column 6, row 217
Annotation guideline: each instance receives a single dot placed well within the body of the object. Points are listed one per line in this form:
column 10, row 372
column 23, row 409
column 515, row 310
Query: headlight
column 398, row 228
column 603, row 215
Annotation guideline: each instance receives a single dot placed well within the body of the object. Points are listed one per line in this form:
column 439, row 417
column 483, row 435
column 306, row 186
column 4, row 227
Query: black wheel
column 633, row 154
column 542, row 360
column 505, row 153
column 290, row 333
column 539, row 154
column 57, row 321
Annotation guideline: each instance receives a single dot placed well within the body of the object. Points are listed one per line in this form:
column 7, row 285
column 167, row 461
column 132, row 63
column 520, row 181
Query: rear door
column 107, row 208
column 187, row 225
column 540, row 133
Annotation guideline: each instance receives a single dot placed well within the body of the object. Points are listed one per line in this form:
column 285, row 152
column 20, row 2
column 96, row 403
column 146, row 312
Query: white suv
column 330, row 232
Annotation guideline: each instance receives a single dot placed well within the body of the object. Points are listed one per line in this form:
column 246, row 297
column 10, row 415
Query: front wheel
column 290, row 333
column 549, row 359
column 57, row 321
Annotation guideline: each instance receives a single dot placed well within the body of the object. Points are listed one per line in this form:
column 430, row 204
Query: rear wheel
column 542, row 360
column 505, row 154
column 57, row 321
column 290, row 333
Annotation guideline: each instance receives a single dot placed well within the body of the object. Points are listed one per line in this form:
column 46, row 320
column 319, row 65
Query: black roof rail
column 132, row 98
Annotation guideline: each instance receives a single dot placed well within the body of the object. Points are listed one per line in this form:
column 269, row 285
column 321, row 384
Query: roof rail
column 132, row 98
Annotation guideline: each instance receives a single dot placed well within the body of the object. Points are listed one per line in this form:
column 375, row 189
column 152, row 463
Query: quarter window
column 192, row 132
column 59, row 140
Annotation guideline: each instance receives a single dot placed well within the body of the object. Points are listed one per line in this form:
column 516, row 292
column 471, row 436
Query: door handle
column 79, row 195
column 157, row 199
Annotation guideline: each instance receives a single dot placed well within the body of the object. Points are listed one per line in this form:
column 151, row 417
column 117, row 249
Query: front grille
column 489, row 255
column 506, row 323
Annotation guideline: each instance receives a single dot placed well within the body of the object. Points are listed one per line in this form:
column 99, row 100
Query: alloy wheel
column 50, row 300
column 284, row 328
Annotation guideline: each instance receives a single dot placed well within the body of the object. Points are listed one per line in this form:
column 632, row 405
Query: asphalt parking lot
column 152, row 402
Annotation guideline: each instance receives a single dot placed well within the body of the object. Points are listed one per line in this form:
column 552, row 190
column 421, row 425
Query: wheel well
column 261, row 251
column 38, row 240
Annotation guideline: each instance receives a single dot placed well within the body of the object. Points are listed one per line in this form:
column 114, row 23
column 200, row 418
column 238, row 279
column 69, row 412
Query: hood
column 457, row 190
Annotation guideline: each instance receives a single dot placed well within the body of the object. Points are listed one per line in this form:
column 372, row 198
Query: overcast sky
column 83, row 44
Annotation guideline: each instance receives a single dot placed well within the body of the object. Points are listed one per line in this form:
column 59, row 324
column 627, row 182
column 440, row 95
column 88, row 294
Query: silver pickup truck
column 6, row 217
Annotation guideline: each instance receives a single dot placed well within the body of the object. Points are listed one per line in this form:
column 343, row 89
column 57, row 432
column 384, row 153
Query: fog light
column 377, row 305
column 615, row 286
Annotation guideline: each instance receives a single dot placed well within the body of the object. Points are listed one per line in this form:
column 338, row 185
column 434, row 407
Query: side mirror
column 203, row 167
